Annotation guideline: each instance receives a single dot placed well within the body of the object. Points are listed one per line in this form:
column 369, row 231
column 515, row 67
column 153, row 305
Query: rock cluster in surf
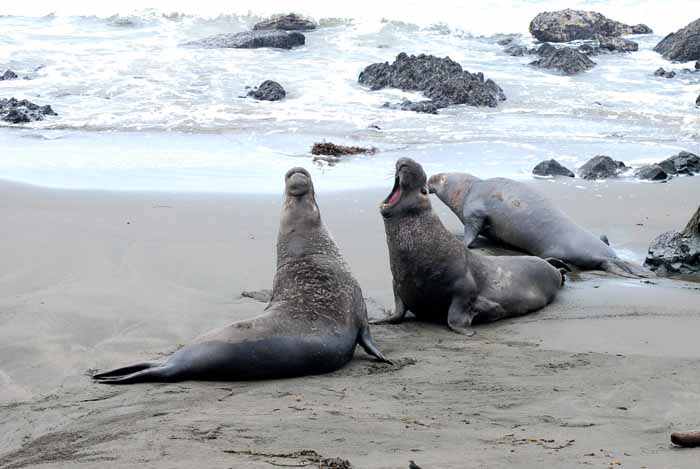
column 683, row 45
column 601, row 167
column 566, row 60
column 251, row 40
column 289, row 22
column 8, row 75
column 442, row 81
column 19, row 111
column 570, row 25
column 676, row 253
column 268, row 91
column 552, row 168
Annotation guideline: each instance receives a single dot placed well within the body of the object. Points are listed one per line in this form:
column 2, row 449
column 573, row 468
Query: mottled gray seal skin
column 516, row 214
column 316, row 316
column 437, row 278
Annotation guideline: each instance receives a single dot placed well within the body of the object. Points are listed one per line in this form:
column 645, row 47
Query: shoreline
column 93, row 279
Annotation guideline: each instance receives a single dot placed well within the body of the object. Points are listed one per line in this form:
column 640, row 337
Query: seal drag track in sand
column 436, row 277
column 316, row 316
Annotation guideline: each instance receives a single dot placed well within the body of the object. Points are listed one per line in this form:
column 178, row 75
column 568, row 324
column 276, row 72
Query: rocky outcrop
column 426, row 107
column 251, row 40
column 442, row 81
column 601, row 167
column 682, row 163
column 652, row 172
column 328, row 148
column 566, row 60
column 516, row 50
column 268, row 91
column 551, row 168
column 290, row 22
column 8, row 75
column 683, row 45
column 660, row 72
column 570, row 25
column 617, row 44
column 21, row 111
column 676, row 253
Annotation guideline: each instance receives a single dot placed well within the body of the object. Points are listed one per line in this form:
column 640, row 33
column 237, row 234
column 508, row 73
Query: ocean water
column 138, row 111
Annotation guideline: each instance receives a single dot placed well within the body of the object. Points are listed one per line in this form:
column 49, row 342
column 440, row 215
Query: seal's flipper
column 367, row 343
column 605, row 239
column 561, row 266
column 149, row 375
column 625, row 269
column 472, row 227
column 459, row 317
column 126, row 370
column 400, row 310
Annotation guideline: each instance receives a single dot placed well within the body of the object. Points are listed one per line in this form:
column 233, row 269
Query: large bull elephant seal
column 518, row 215
column 314, row 320
column 436, row 277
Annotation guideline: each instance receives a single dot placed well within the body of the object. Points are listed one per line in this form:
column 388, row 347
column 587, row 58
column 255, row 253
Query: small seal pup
column 436, row 277
column 314, row 320
column 518, row 215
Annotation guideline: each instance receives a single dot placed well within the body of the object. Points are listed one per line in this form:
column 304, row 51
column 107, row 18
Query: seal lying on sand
column 436, row 277
column 518, row 215
column 314, row 320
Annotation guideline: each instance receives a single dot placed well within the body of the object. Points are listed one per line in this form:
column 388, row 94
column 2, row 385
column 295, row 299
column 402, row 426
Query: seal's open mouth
column 395, row 194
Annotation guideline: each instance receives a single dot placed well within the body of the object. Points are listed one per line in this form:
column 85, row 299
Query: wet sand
column 94, row 279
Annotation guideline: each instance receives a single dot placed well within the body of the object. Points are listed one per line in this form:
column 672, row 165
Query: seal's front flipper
column 626, row 269
column 459, row 317
column 126, row 370
column 149, row 375
column 367, row 343
column 400, row 310
column 473, row 224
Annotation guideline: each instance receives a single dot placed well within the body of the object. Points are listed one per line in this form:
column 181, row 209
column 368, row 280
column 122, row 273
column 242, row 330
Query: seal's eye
column 424, row 191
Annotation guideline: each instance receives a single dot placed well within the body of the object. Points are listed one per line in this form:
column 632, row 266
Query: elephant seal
column 518, row 215
column 314, row 320
column 436, row 277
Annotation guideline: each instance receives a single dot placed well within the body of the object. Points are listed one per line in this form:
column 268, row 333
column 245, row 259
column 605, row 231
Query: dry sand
column 94, row 280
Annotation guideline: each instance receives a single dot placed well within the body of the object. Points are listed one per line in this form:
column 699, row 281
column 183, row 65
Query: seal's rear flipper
column 561, row 266
column 626, row 269
column 127, row 370
column 367, row 343
column 154, row 374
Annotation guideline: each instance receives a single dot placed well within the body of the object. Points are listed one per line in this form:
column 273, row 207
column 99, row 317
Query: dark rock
column 601, row 167
column 516, row 50
column 331, row 149
column 617, row 44
column 588, row 49
column 683, row 45
column 251, row 40
column 21, row 111
column 682, row 163
column 268, row 91
column 8, row 75
column 697, row 101
column 676, row 253
column 566, row 60
column 551, row 168
column 697, row 65
column 545, row 50
column 506, row 41
column 570, row 25
column 652, row 172
column 660, row 72
column 443, row 81
column 290, row 22
column 426, row 107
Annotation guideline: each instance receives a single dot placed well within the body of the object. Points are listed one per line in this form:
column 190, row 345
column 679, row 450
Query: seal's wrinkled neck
column 452, row 188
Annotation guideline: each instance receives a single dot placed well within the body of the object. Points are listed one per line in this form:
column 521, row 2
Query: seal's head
column 451, row 188
column 410, row 192
column 300, row 199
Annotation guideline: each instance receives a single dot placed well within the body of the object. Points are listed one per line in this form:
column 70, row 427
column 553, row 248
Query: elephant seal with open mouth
column 513, row 213
column 316, row 316
column 436, row 277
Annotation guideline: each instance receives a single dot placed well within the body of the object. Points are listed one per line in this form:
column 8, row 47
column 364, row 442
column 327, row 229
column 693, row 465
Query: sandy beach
column 91, row 280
